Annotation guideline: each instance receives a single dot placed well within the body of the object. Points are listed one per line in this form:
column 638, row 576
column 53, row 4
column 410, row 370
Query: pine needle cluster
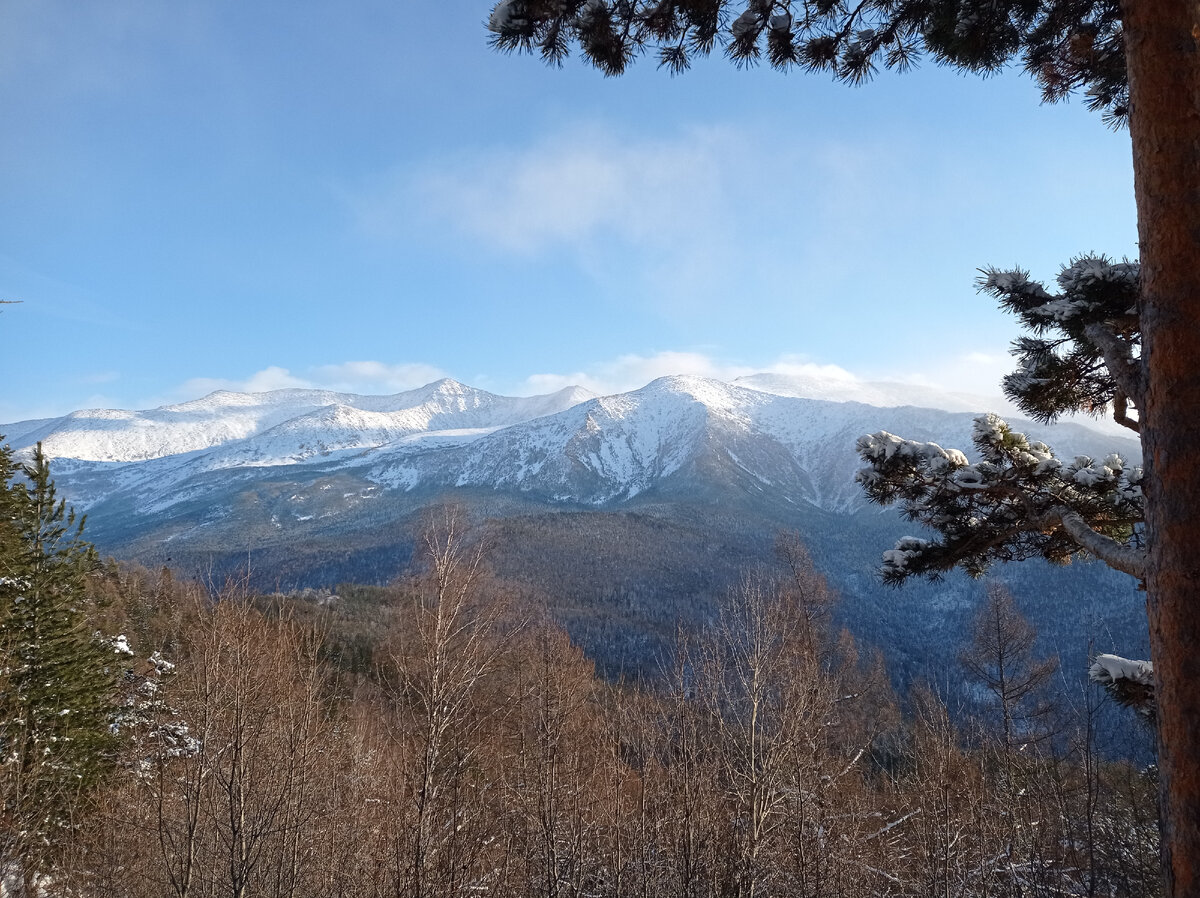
column 1065, row 45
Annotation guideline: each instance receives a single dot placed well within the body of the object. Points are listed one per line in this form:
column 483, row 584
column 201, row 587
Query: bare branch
column 1121, row 412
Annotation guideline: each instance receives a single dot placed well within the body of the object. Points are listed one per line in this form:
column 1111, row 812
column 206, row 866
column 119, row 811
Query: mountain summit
column 679, row 435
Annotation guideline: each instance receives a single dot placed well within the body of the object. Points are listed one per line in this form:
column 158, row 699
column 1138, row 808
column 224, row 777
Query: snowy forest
column 443, row 736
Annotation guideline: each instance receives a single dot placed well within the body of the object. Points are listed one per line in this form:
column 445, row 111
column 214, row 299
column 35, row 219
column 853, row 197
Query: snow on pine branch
column 1018, row 500
column 1084, row 348
column 1131, row 683
column 1106, row 669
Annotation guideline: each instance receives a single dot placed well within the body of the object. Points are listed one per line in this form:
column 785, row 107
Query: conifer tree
column 56, row 677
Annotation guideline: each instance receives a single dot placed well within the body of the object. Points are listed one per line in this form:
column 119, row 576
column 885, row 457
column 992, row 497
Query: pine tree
column 56, row 678
column 1137, row 62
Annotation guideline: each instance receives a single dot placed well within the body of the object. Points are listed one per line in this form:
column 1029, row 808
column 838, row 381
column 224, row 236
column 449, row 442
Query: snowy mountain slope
column 883, row 394
column 614, row 448
column 289, row 423
column 603, row 450
column 679, row 434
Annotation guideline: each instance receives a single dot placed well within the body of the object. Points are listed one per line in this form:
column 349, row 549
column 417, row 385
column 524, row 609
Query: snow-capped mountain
column 676, row 434
column 610, row 449
column 281, row 425
column 655, row 499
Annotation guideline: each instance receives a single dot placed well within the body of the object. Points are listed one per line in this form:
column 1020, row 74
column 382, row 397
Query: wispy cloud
column 586, row 185
column 670, row 217
column 623, row 373
column 376, row 377
column 629, row 372
column 368, row 377
column 969, row 379
column 972, row 371
column 567, row 190
column 270, row 378
column 698, row 220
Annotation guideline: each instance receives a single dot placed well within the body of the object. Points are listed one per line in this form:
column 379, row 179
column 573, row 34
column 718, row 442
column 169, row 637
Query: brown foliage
column 484, row 756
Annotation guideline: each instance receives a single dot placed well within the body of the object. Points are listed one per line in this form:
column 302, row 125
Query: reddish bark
column 1162, row 38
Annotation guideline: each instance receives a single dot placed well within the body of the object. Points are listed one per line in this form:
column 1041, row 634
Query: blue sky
column 362, row 196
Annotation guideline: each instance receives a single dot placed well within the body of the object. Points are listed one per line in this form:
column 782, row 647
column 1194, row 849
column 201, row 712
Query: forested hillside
column 442, row 736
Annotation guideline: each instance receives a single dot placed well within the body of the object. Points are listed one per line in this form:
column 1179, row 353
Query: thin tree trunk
column 1161, row 47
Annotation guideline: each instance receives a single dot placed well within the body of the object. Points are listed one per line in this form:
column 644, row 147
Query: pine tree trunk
column 1161, row 45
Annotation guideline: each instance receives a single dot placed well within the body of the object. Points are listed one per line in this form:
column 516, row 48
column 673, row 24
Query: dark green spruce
column 57, row 678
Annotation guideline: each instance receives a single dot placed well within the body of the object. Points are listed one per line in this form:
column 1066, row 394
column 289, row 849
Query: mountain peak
column 717, row 395
column 273, row 427
column 449, row 386
column 572, row 394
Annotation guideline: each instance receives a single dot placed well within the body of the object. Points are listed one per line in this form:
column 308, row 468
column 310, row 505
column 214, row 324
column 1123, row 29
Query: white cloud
column 973, row 372
column 795, row 366
column 368, row 377
column 375, row 377
column 629, row 372
column 700, row 220
column 571, row 189
column 270, row 378
column 957, row 382
column 970, row 380
column 683, row 221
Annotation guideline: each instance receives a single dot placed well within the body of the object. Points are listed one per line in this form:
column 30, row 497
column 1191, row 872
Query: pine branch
column 1124, row 558
column 850, row 40
column 1120, row 413
column 1118, row 357
column 1019, row 501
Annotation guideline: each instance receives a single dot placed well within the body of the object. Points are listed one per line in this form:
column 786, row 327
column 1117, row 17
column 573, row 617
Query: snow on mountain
column 755, row 434
column 613, row 448
column 278, row 426
column 884, row 394
column 601, row 450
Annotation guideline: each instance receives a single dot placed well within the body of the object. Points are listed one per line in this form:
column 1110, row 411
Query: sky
column 363, row 196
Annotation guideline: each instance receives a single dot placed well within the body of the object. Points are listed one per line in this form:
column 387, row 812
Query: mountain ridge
column 630, row 509
column 567, row 446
